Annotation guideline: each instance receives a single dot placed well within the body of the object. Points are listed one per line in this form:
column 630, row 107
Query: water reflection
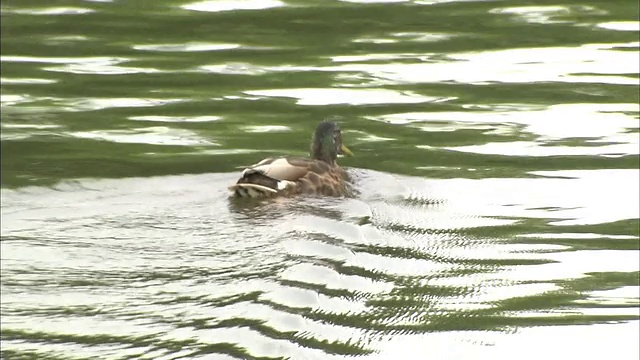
column 188, row 47
column 156, row 135
column 309, row 270
column 621, row 25
column 7, row 81
column 593, row 63
column 91, row 104
column 588, row 129
column 551, row 14
column 176, row 119
column 80, row 65
column 344, row 96
column 229, row 5
column 51, row 11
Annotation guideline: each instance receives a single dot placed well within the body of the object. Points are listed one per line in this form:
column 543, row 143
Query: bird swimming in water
column 286, row 176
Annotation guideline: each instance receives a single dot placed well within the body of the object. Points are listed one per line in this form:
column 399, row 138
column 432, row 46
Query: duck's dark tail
column 258, row 185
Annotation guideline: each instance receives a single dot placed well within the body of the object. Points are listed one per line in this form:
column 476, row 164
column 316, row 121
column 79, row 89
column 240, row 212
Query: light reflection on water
column 297, row 260
column 344, row 96
column 552, row 14
column 156, row 135
column 51, row 11
column 562, row 64
column 194, row 46
column 230, row 5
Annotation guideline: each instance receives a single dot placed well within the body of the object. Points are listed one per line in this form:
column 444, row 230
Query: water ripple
column 316, row 97
column 305, row 286
column 229, row 5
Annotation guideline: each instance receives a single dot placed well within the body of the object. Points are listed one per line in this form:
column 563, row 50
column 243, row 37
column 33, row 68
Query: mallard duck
column 285, row 176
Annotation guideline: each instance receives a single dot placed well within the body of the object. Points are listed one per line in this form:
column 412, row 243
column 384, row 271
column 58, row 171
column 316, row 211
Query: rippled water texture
column 497, row 154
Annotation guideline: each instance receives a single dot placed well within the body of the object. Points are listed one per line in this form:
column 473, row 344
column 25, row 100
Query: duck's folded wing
column 290, row 169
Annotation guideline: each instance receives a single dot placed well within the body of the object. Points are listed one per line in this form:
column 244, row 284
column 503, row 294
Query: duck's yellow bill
column 345, row 150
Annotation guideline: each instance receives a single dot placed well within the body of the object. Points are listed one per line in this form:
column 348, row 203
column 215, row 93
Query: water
column 497, row 157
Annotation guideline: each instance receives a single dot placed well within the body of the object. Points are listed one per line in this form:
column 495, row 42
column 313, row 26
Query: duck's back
column 291, row 176
column 325, row 179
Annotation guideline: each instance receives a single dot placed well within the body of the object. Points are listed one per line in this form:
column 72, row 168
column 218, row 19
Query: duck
column 319, row 174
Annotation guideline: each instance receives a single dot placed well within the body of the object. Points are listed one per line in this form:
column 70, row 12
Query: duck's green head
column 326, row 143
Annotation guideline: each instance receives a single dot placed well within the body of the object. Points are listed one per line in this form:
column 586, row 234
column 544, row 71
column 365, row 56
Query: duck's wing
column 290, row 169
column 271, row 176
